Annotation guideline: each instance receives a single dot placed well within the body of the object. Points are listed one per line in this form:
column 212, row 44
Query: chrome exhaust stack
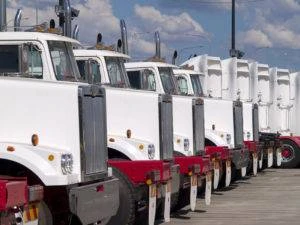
column 17, row 22
column 157, row 45
column 3, row 20
column 174, row 57
column 124, row 37
column 75, row 32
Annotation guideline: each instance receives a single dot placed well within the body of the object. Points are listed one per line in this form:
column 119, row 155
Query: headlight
column 228, row 138
column 151, row 151
column 186, row 144
column 248, row 135
column 66, row 163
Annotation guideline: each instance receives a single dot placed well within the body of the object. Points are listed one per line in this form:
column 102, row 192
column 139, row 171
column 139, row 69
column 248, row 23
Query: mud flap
column 243, row 171
column 255, row 162
column 30, row 214
column 216, row 174
column 152, row 204
column 193, row 192
column 260, row 162
column 167, row 207
column 270, row 157
column 228, row 173
column 208, row 189
column 278, row 157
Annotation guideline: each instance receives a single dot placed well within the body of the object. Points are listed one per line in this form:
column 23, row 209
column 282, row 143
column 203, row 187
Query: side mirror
column 23, row 58
column 88, row 71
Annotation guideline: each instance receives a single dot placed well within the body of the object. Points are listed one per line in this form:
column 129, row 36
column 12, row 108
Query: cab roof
column 186, row 71
column 20, row 36
column 99, row 53
column 148, row 64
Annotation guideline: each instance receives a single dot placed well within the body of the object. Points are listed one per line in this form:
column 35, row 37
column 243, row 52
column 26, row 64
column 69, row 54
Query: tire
column 45, row 215
column 126, row 212
column 290, row 154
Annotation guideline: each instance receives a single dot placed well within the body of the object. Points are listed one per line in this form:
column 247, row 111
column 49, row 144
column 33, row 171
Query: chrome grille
column 93, row 131
column 255, row 123
column 166, row 126
column 238, row 124
column 198, row 126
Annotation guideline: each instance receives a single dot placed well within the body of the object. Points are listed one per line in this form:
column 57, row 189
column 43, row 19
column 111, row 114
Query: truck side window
column 95, row 70
column 182, row 85
column 135, row 78
column 28, row 64
column 9, row 59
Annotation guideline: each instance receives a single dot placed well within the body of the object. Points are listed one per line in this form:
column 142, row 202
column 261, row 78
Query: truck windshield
column 197, row 87
column 63, row 61
column 116, row 72
column 167, row 80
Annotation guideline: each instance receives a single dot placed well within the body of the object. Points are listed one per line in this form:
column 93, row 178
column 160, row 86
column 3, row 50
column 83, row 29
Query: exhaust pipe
column 119, row 46
column 174, row 57
column 157, row 45
column 17, row 22
column 65, row 17
column 124, row 37
column 3, row 15
column 75, row 32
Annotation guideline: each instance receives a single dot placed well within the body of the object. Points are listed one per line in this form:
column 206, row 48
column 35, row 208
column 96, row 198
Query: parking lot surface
column 270, row 198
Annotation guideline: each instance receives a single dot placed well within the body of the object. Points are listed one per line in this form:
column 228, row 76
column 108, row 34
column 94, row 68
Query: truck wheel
column 126, row 212
column 290, row 154
column 45, row 215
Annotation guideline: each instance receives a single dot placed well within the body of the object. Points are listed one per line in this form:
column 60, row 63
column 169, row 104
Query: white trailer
column 227, row 126
column 53, row 129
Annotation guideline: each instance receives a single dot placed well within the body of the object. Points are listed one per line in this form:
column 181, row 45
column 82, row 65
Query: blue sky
column 267, row 30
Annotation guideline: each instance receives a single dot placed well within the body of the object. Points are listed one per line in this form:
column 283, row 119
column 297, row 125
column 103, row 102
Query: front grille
column 255, row 123
column 198, row 126
column 238, row 124
column 93, row 131
column 166, row 126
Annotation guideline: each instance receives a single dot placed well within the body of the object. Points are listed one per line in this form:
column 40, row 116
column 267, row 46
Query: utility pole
column 233, row 27
column 233, row 51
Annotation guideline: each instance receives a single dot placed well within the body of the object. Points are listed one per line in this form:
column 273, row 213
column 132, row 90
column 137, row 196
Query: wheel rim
column 288, row 153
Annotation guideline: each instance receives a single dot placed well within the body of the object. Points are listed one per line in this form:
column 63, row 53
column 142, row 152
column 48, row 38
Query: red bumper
column 221, row 152
column 252, row 146
column 139, row 172
column 13, row 192
column 193, row 164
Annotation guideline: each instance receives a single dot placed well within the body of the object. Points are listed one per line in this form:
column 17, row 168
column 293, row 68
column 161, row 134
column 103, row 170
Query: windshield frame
column 70, row 60
column 121, row 64
column 174, row 89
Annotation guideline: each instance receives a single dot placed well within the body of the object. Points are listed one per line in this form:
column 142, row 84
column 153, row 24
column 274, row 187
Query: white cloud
column 256, row 38
column 171, row 26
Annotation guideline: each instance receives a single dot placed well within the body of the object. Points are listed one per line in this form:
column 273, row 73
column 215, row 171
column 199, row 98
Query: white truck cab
column 49, row 129
column 229, row 126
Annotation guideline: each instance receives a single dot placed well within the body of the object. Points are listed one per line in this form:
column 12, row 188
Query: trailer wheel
column 126, row 212
column 290, row 154
column 45, row 215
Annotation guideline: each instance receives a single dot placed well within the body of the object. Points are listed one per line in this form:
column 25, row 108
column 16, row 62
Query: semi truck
column 101, row 60
column 260, row 89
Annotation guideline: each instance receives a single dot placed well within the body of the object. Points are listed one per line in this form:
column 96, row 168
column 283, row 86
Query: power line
column 206, row 2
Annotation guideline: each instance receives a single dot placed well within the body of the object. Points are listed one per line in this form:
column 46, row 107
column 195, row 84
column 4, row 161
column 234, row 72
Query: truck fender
column 295, row 139
column 128, row 147
column 45, row 163
column 214, row 138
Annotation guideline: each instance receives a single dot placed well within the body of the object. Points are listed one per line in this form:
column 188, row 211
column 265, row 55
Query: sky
column 268, row 31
